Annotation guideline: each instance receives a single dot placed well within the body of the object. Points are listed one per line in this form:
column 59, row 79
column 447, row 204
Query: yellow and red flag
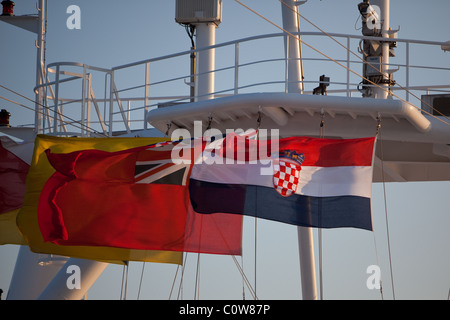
column 41, row 170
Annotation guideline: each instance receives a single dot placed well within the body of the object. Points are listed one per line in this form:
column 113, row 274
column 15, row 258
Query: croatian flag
column 313, row 182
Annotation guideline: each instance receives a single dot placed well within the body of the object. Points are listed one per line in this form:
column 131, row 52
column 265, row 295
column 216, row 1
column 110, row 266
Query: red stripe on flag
column 332, row 152
column 318, row 152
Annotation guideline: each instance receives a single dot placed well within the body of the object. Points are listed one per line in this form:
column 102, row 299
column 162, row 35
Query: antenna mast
column 204, row 16
column 375, row 18
column 293, row 55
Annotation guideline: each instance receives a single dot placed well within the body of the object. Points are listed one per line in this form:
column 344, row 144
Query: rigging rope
column 385, row 208
column 180, row 288
column 173, row 283
column 197, row 279
column 245, row 279
column 256, row 229
column 322, row 124
column 258, row 125
column 378, row 261
column 140, row 281
column 373, row 228
column 243, row 282
column 123, row 289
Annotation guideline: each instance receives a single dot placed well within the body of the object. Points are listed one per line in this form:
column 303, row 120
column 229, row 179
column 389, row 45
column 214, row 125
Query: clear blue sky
column 114, row 33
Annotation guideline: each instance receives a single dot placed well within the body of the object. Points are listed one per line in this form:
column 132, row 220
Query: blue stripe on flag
column 266, row 203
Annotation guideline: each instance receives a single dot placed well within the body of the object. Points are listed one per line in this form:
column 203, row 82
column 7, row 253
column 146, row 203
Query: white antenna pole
column 292, row 45
column 32, row 273
column 205, row 15
column 206, row 37
column 40, row 64
column 384, row 6
column 73, row 280
column 305, row 234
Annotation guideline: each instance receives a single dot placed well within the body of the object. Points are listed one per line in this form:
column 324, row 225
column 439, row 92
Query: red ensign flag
column 135, row 199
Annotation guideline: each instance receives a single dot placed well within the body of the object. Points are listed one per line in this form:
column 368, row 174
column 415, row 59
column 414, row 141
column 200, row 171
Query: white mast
column 294, row 77
column 35, row 24
column 384, row 5
column 292, row 45
column 206, row 60
column 73, row 280
column 40, row 63
column 33, row 272
column 205, row 16
column 375, row 19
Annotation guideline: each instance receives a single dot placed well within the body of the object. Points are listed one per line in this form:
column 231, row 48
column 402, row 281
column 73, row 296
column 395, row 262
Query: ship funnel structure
column 203, row 16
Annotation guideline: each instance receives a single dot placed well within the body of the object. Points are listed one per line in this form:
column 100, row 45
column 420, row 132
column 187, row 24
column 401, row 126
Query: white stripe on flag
column 314, row 181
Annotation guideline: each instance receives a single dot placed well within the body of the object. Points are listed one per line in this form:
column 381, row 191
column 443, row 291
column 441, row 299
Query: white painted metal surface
column 32, row 273
column 64, row 285
column 283, row 106
column 382, row 92
column 295, row 85
column 205, row 61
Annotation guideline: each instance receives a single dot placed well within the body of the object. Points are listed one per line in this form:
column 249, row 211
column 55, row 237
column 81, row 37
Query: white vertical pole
column 111, row 102
column 64, row 284
column 147, row 80
column 384, row 6
column 305, row 235
column 348, row 67
column 32, row 273
column 39, row 66
column 83, row 104
column 55, row 111
column 407, row 71
column 88, row 108
column 307, row 263
column 206, row 37
column 236, row 68
column 292, row 45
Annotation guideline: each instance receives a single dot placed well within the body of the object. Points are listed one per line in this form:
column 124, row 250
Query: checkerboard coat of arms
column 286, row 172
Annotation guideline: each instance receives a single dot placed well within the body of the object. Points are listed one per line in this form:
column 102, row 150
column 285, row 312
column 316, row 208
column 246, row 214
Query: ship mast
column 36, row 277
column 385, row 48
column 295, row 80
column 376, row 55
column 375, row 18
column 40, row 68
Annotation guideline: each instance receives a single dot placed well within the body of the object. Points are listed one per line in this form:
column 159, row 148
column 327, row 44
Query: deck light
column 4, row 118
column 7, row 7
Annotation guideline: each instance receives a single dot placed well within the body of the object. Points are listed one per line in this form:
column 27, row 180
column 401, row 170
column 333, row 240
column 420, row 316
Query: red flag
column 135, row 199
column 13, row 172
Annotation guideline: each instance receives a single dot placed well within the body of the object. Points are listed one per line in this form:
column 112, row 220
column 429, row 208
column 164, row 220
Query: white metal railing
column 114, row 100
